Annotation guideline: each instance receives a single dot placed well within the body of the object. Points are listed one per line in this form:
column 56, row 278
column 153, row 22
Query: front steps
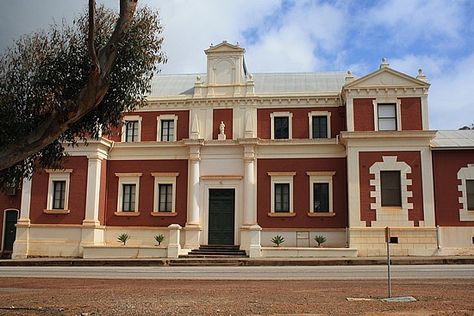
column 216, row 251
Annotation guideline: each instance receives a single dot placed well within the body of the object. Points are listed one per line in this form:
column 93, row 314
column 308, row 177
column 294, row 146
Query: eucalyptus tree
column 73, row 81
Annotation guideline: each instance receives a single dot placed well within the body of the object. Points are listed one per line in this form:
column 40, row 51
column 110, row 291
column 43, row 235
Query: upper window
column 166, row 127
column 58, row 191
column 128, row 194
column 281, row 125
column 319, row 124
column 165, row 193
column 470, row 194
column 390, row 185
column 281, row 193
column 131, row 128
column 387, row 117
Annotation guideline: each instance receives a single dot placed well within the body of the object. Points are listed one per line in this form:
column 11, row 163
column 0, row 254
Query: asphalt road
column 247, row 273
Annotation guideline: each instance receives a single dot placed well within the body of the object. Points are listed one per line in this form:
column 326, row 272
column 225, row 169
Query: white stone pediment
column 224, row 47
column 386, row 77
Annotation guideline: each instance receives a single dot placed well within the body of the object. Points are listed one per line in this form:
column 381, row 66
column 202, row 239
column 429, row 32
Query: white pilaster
column 93, row 191
column 193, row 224
column 428, row 188
column 21, row 244
column 250, row 202
column 353, row 187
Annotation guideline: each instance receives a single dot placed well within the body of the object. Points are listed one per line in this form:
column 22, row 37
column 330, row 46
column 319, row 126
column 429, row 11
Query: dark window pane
column 281, row 126
column 470, row 194
column 321, row 197
column 167, row 130
column 282, row 197
column 131, row 131
column 320, row 127
column 59, row 194
column 165, row 195
column 391, row 188
column 387, row 117
column 128, row 197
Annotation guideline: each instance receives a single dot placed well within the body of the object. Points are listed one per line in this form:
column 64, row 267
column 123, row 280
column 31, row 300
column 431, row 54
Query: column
column 193, row 228
column 21, row 245
column 250, row 214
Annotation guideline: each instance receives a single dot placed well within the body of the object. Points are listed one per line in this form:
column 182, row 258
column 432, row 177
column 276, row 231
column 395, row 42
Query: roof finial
column 349, row 76
column 421, row 76
column 384, row 63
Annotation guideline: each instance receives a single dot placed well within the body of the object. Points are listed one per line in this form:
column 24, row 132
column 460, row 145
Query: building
column 228, row 157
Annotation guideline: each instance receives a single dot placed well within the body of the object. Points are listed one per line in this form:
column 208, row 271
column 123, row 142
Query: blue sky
column 306, row 36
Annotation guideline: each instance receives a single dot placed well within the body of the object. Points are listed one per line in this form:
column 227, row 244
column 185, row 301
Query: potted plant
column 320, row 239
column 159, row 239
column 123, row 238
column 278, row 240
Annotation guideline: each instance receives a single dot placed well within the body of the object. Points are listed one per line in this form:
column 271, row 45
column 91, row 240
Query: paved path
column 248, row 273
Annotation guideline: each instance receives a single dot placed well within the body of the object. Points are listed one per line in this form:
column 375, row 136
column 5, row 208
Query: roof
column 453, row 139
column 265, row 83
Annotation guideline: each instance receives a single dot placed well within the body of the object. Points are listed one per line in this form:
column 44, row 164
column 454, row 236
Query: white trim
column 319, row 113
column 281, row 177
column 391, row 216
column 162, row 117
column 131, row 118
column 2, row 237
column 128, row 178
column 395, row 101
column 290, row 123
column 465, row 173
column 58, row 175
column 164, row 178
column 321, row 177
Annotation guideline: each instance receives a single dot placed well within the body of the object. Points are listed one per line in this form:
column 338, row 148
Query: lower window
column 320, row 197
column 165, row 203
column 282, row 197
column 59, row 194
column 470, row 194
column 390, row 187
column 128, row 197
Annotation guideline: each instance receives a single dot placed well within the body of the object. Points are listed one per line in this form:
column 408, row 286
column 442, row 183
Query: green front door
column 9, row 235
column 221, row 216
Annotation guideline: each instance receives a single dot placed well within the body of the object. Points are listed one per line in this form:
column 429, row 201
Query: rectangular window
column 281, row 127
column 320, row 197
column 128, row 197
column 320, row 127
column 59, row 194
column 165, row 193
column 131, row 131
column 390, row 185
column 167, row 130
column 470, row 194
column 282, row 197
column 387, row 117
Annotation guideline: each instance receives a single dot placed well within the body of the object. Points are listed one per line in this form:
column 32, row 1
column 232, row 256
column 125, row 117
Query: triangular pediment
column 224, row 47
column 386, row 77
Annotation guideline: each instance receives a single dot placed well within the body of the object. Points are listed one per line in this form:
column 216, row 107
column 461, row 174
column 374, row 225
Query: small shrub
column 278, row 240
column 159, row 238
column 123, row 238
column 320, row 239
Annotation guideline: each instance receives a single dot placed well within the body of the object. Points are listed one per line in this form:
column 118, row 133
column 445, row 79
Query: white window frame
column 128, row 178
column 281, row 177
column 321, row 177
column 58, row 175
column 131, row 118
column 290, row 123
column 319, row 113
column 397, row 103
column 163, row 117
column 164, row 178
column 465, row 173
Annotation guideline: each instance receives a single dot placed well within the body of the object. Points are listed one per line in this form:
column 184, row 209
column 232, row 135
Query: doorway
column 221, row 216
column 9, row 232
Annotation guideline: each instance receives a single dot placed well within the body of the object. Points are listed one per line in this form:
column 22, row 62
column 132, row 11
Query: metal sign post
column 387, row 240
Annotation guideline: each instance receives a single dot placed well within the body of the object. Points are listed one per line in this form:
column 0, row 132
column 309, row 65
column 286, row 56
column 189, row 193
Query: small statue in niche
column 221, row 135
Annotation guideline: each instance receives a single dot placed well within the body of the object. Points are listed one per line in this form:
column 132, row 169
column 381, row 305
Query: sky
column 305, row 36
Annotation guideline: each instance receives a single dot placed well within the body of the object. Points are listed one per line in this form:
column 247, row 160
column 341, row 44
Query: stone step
column 217, row 253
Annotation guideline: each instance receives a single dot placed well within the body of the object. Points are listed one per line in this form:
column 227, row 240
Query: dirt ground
column 35, row 296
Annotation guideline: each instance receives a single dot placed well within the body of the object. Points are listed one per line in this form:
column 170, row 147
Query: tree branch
column 89, row 97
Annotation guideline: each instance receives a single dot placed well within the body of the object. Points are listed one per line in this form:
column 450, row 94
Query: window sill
column 126, row 214
column 282, row 214
column 391, row 208
column 163, row 214
column 321, row 214
column 57, row 212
